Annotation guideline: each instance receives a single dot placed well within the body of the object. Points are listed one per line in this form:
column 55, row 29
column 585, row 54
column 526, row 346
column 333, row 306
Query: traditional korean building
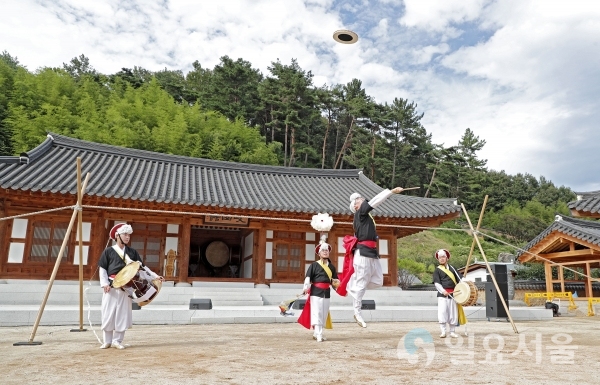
column 193, row 219
column 574, row 243
column 587, row 205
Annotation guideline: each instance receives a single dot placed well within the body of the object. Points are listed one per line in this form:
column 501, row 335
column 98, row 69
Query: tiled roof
column 587, row 202
column 588, row 231
column 541, row 285
column 119, row 172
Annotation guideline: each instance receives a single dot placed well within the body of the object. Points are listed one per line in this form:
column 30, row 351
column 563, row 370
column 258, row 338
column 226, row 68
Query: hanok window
column 288, row 254
column 146, row 240
column 47, row 240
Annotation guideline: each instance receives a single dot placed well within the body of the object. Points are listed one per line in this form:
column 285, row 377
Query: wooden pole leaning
column 54, row 271
column 80, row 236
column 488, row 268
column 473, row 243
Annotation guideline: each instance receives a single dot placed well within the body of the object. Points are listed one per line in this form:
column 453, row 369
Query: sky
column 523, row 75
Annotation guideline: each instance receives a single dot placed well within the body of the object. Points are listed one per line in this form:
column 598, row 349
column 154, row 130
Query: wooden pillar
column 100, row 233
column 548, row 273
column 4, row 237
column 184, row 256
column 561, row 276
column 260, row 250
column 393, row 269
column 588, row 281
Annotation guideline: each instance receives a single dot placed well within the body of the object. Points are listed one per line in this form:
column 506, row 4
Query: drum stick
column 410, row 188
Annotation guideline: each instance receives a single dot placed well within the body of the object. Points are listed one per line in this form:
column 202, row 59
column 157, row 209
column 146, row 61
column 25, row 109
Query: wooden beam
column 561, row 278
column 571, row 253
column 184, row 257
column 393, row 261
column 569, row 261
column 588, row 281
column 260, row 251
column 4, row 234
column 548, row 276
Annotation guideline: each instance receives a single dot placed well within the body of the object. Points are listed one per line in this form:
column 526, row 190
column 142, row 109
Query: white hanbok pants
column 319, row 308
column 367, row 275
column 447, row 313
column 116, row 311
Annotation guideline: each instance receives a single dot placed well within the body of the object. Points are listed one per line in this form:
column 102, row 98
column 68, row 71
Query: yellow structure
column 549, row 296
column 591, row 302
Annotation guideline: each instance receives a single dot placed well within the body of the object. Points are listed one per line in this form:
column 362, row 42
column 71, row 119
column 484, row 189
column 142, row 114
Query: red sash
column 370, row 244
column 349, row 244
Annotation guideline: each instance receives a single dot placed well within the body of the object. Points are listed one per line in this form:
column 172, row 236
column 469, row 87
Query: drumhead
column 157, row 285
column 462, row 292
column 217, row 254
column 126, row 274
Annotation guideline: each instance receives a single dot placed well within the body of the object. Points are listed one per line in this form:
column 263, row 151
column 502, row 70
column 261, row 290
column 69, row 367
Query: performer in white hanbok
column 116, row 303
column 361, row 249
column 320, row 276
column 445, row 278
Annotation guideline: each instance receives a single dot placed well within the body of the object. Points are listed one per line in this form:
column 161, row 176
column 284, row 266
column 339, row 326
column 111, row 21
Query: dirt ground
column 564, row 350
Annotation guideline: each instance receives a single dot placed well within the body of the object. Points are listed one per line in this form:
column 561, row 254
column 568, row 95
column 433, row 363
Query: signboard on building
column 225, row 220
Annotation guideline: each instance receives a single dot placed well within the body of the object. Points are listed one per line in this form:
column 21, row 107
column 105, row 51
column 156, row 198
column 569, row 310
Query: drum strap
column 122, row 254
column 448, row 273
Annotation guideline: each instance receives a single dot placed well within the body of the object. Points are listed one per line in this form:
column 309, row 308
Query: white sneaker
column 320, row 339
column 453, row 335
column 360, row 321
column 443, row 335
column 105, row 346
column 117, row 345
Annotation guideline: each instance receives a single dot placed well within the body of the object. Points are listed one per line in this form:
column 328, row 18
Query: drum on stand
column 217, row 254
column 465, row 293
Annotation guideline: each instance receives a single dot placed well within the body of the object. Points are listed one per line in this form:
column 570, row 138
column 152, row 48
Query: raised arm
column 382, row 196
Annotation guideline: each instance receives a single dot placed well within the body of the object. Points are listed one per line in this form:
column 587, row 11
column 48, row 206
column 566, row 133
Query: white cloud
column 524, row 75
column 435, row 15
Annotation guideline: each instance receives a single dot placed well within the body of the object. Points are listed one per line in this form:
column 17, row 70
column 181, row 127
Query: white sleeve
column 306, row 283
column 380, row 198
column 439, row 288
column 150, row 272
column 103, row 277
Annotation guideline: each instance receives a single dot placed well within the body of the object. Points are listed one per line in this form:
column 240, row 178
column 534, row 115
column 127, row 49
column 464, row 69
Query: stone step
column 167, row 315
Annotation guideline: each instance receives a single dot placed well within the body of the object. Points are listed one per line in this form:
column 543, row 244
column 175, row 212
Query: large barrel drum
column 217, row 254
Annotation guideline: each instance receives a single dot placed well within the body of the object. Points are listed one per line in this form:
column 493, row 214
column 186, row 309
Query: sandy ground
column 564, row 350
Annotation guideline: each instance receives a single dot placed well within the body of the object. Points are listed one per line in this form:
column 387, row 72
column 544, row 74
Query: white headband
column 125, row 229
column 353, row 199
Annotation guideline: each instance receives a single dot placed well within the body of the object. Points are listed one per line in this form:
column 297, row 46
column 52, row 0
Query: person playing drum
column 445, row 278
column 116, row 303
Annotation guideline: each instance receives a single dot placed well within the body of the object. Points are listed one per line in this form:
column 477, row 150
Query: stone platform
column 232, row 303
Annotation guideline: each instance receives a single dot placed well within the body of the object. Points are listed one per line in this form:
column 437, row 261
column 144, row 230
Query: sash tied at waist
column 369, row 244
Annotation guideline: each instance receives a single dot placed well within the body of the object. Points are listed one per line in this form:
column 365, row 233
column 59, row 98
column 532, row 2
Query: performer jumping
column 116, row 303
column 362, row 269
column 319, row 277
column 445, row 278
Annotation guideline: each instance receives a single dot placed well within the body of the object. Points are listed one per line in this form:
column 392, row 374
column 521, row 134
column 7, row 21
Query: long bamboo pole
column 473, row 243
column 489, row 269
column 80, row 233
column 58, row 258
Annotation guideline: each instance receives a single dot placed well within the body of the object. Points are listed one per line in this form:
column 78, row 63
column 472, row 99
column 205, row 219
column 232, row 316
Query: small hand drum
column 465, row 293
